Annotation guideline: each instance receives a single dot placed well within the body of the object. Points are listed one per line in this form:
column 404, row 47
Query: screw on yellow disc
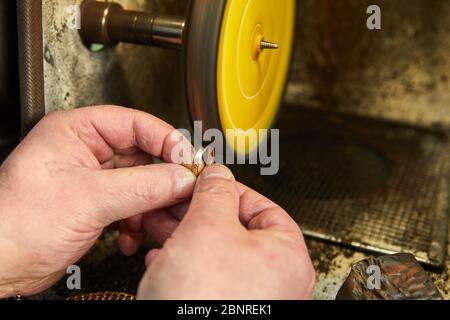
column 234, row 82
column 251, row 82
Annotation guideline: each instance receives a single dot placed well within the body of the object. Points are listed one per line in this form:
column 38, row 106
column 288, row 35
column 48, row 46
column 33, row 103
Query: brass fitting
column 107, row 23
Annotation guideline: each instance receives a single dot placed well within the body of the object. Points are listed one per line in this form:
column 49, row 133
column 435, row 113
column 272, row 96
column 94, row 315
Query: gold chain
column 102, row 296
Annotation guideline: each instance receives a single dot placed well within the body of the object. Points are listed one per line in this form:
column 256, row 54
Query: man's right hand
column 231, row 244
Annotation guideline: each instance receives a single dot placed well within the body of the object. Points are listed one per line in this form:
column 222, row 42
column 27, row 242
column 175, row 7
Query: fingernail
column 217, row 172
column 185, row 182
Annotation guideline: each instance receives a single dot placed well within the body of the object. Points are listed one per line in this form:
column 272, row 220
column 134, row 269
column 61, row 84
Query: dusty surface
column 333, row 265
column 401, row 72
column 348, row 180
column 107, row 270
column 133, row 76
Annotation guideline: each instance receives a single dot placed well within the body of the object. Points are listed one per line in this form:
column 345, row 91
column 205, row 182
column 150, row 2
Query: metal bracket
column 108, row 23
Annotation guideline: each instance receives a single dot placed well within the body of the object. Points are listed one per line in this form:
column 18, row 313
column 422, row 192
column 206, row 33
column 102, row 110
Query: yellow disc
column 251, row 81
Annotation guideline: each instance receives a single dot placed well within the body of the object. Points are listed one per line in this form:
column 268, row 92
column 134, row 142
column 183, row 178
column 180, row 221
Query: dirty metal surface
column 105, row 269
column 401, row 277
column 399, row 73
column 133, row 76
column 365, row 184
column 333, row 265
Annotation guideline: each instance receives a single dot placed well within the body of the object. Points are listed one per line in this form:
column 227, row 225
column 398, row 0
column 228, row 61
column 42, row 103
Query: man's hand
column 231, row 244
column 76, row 173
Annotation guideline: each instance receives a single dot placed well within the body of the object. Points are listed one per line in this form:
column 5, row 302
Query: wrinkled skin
column 83, row 170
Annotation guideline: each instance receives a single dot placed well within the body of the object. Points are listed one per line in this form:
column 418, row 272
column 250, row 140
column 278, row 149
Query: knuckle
column 51, row 122
column 146, row 189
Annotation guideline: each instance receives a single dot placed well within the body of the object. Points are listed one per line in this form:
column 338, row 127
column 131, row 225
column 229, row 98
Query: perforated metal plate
column 365, row 184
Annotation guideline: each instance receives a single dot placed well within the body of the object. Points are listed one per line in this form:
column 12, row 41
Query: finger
column 107, row 130
column 124, row 193
column 252, row 203
column 258, row 212
column 150, row 257
column 134, row 223
column 180, row 210
column 179, row 150
column 160, row 224
column 129, row 242
column 135, row 159
column 215, row 197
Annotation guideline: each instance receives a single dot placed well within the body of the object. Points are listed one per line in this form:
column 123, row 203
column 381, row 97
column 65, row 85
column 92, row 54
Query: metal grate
column 366, row 184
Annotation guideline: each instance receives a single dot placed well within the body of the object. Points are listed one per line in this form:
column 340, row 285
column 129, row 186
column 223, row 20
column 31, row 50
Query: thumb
column 123, row 193
column 216, row 196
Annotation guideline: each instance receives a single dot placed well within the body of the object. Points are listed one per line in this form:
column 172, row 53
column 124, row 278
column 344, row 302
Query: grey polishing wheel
column 200, row 58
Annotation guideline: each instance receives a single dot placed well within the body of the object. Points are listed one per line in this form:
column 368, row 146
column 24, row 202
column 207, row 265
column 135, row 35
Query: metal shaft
column 107, row 23
column 268, row 45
